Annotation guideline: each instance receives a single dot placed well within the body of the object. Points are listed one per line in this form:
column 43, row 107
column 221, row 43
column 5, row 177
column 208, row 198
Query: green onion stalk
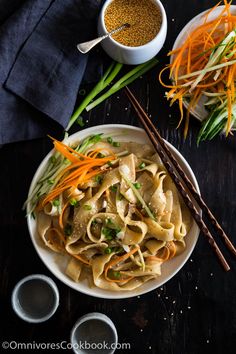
column 109, row 75
column 106, row 80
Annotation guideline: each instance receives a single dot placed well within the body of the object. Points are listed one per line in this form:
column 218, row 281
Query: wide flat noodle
column 124, row 225
column 163, row 231
column 50, row 209
column 131, row 237
column 102, row 218
column 154, row 246
column 51, row 237
column 180, row 229
column 127, row 166
column 73, row 269
column 98, row 266
column 158, row 199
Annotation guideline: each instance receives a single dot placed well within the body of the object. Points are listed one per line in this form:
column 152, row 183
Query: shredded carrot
column 117, row 260
column 80, row 171
column 95, row 152
column 162, row 257
column 80, row 258
column 167, row 253
column 62, row 214
column 172, row 248
column 193, row 56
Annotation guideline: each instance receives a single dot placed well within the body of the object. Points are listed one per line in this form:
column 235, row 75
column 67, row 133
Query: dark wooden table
column 195, row 312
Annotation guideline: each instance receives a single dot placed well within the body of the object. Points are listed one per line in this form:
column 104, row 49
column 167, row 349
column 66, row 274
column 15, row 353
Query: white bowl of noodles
column 89, row 282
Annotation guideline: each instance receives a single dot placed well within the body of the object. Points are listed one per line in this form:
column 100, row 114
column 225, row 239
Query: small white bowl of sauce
column 94, row 333
column 35, row 298
column 143, row 39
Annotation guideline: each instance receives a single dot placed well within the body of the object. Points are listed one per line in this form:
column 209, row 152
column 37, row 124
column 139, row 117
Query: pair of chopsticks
column 182, row 181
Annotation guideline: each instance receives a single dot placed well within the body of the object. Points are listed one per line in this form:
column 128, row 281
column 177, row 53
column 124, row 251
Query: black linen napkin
column 40, row 66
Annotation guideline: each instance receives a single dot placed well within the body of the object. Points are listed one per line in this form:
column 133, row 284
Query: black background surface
column 195, row 312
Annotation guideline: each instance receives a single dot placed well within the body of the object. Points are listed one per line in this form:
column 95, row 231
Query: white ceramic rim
column 144, row 46
column 199, row 112
column 17, row 307
column 94, row 291
column 93, row 316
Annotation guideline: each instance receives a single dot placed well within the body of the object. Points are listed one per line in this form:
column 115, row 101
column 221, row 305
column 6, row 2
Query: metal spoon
column 86, row 46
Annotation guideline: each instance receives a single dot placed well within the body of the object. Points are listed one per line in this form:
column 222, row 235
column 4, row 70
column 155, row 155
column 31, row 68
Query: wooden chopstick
column 169, row 161
column 187, row 181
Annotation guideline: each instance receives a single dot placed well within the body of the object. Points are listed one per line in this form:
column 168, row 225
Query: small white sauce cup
column 94, row 333
column 132, row 55
column 35, row 298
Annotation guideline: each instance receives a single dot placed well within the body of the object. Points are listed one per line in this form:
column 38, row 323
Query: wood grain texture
column 195, row 312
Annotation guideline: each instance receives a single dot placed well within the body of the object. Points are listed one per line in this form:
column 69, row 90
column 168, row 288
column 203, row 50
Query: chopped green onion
column 56, row 202
column 87, row 207
column 109, row 221
column 74, row 202
column 137, row 185
column 100, row 155
column 113, row 188
column 116, row 274
column 80, row 121
column 108, row 250
column 109, row 140
column 110, row 234
column 116, row 144
column 142, row 165
column 109, row 163
column 98, row 179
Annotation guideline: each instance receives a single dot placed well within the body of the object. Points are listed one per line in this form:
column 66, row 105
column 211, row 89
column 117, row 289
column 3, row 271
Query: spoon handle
column 86, row 46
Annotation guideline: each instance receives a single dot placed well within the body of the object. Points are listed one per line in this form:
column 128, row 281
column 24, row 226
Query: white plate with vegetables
column 203, row 70
column 105, row 217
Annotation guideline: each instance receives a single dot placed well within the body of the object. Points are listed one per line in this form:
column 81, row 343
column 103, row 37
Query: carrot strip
column 194, row 55
column 164, row 256
column 80, row 258
column 62, row 214
column 172, row 248
column 81, row 169
column 117, row 260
